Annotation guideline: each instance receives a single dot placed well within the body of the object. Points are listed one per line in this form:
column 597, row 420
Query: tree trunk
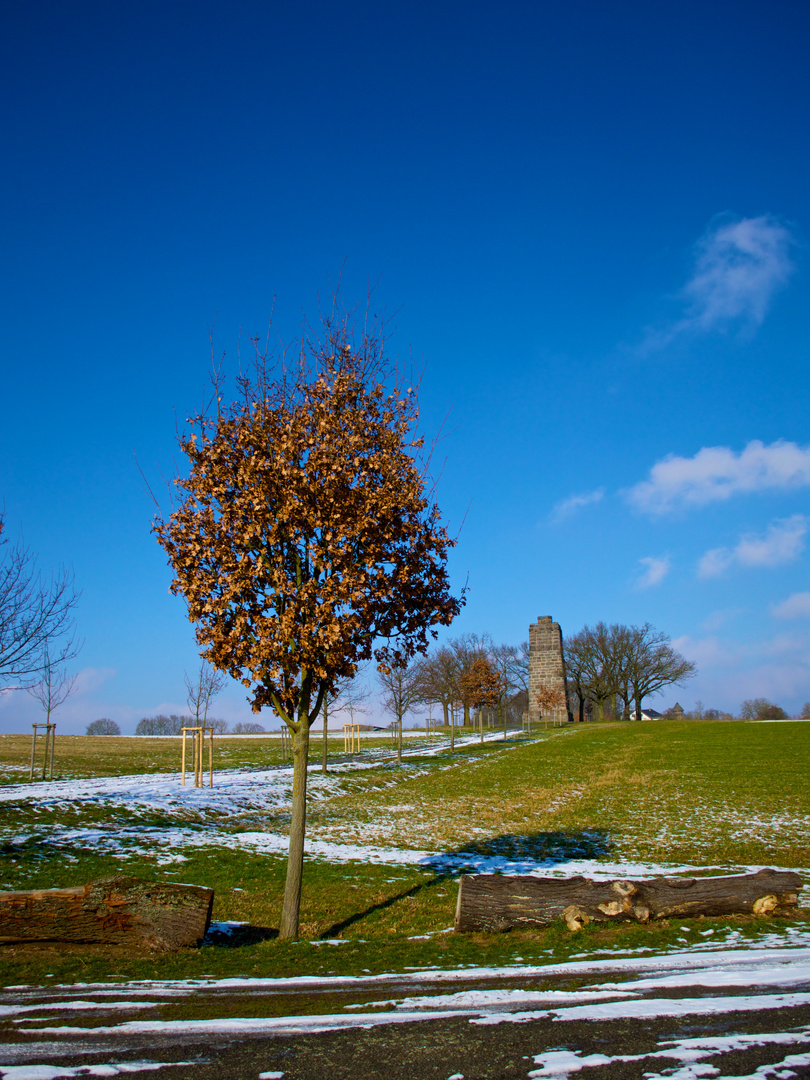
column 452, row 727
column 118, row 910
column 499, row 902
column 399, row 740
column 298, row 823
column 638, row 708
column 325, row 720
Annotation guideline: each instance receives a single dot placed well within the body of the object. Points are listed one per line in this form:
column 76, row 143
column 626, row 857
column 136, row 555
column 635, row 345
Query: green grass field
column 714, row 796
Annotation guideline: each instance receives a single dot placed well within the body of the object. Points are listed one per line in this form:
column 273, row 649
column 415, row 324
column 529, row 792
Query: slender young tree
column 305, row 540
column 202, row 689
column 54, row 686
column 400, row 692
column 348, row 697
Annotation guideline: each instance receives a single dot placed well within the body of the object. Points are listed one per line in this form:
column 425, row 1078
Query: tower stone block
column 546, row 666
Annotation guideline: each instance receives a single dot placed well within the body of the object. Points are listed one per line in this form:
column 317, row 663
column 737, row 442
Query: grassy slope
column 705, row 794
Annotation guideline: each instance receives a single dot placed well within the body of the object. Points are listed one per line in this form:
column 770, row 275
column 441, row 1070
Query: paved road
column 732, row 1014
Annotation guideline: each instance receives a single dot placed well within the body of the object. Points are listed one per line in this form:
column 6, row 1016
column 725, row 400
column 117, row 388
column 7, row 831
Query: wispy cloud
column 567, row 507
column 715, row 473
column 739, row 265
column 654, row 572
column 782, row 542
column 796, row 606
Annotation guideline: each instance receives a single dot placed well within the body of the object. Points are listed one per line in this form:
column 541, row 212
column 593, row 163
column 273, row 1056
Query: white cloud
column 782, row 542
column 573, row 503
column 716, row 473
column 655, row 570
column 739, row 265
column 796, row 606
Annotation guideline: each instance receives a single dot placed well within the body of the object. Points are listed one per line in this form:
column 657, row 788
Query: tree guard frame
column 50, row 742
column 197, row 742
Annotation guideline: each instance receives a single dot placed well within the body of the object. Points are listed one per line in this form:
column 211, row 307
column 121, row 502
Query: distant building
column 653, row 714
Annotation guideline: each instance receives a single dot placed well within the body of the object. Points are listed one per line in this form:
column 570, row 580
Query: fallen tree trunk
column 499, row 902
column 114, row 911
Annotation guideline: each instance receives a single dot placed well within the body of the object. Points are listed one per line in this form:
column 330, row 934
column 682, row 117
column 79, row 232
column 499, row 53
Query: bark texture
column 498, row 902
column 114, row 911
column 291, row 905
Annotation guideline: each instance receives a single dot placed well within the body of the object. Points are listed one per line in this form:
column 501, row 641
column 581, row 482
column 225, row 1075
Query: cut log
column 114, row 911
column 498, row 902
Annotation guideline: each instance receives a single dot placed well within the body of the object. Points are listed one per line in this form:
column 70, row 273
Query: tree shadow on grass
column 237, row 935
column 525, row 853
column 529, row 853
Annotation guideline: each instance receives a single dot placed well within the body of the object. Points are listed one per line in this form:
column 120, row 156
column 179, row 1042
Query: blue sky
column 588, row 221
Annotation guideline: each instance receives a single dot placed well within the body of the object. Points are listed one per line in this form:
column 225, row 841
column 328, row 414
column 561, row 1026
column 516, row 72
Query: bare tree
column 202, row 689
column 348, row 696
column 587, row 662
column 436, row 680
column 36, row 616
column 400, row 692
column 54, row 686
column 652, row 664
column 624, row 663
column 512, row 663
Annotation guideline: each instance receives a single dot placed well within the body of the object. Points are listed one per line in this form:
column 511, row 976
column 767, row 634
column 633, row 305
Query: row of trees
column 611, row 670
column 467, row 673
column 621, row 665
column 173, row 725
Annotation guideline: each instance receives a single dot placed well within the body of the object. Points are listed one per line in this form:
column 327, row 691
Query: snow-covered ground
column 726, row 975
column 203, row 816
column 691, row 987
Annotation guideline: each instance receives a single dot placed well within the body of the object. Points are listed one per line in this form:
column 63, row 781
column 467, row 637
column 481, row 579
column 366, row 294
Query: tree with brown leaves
column 481, row 684
column 549, row 699
column 305, row 541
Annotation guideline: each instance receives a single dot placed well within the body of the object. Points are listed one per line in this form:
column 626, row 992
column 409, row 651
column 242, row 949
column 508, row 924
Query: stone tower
column 546, row 665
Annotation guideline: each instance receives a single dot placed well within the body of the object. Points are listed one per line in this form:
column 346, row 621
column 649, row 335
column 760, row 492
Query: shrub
column 104, row 726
